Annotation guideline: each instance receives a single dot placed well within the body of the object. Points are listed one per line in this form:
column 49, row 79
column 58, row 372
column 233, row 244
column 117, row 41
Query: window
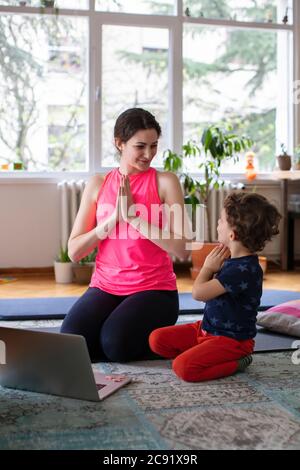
column 265, row 11
column 135, row 74
column 231, row 75
column 66, row 76
column 44, row 87
column 78, row 4
column 153, row 7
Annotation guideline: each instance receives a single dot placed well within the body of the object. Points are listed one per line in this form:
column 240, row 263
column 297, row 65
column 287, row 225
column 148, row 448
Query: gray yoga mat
column 265, row 340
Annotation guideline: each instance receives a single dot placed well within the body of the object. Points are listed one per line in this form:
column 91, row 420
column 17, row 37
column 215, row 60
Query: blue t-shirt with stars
column 234, row 313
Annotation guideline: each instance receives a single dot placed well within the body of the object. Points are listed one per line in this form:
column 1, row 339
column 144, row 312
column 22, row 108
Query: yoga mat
column 265, row 340
column 49, row 308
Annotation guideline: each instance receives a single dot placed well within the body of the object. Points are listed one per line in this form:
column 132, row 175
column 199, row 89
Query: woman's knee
column 117, row 348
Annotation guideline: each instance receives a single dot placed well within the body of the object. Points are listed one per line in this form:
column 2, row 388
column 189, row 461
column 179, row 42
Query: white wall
column 30, row 222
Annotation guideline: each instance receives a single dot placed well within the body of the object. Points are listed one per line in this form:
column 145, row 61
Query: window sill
column 20, row 177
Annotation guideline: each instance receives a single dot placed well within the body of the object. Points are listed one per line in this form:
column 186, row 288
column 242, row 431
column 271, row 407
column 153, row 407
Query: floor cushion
column 283, row 318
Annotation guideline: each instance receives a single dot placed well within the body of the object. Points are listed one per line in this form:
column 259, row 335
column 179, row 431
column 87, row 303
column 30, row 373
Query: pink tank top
column 126, row 261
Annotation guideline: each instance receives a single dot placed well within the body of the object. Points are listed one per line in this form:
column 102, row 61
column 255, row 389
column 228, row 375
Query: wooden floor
column 43, row 285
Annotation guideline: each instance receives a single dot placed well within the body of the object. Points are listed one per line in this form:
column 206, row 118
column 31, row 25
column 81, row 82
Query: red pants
column 199, row 355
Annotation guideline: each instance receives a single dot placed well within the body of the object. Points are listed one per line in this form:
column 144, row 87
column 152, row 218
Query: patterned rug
column 257, row 409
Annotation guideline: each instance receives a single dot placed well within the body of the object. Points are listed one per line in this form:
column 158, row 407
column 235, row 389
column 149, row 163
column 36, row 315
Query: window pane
column 237, row 76
column 153, row 7
column 246, row 10
column 135, row 74
column 78, row 4
column 44, row 87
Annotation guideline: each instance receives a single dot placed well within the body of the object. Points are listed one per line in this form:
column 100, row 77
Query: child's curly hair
column 253, row 218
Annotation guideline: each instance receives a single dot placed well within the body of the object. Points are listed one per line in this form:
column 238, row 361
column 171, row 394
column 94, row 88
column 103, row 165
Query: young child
column 222, row 342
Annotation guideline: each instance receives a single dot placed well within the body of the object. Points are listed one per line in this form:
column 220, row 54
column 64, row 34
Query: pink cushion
column 284, row 318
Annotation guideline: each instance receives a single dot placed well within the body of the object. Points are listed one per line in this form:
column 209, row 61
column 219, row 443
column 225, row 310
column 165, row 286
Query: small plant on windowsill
column 63, row 267
column 48, row 4
column 284, row 160
column 84, row 269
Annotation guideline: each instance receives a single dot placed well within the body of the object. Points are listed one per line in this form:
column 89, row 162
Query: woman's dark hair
column 133, row 120
column 253, row 218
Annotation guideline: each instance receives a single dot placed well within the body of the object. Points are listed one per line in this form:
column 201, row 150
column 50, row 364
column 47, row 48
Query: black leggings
column 117, row 328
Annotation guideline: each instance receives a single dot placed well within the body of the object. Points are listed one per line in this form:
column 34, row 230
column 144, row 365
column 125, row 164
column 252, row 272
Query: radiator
column 70, row 197
column 215, row 206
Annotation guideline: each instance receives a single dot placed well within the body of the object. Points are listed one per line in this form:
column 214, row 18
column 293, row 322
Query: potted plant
column 47, row 3
column 284, row 160
column 218, row 144
column 83, row 270
column 63, row 267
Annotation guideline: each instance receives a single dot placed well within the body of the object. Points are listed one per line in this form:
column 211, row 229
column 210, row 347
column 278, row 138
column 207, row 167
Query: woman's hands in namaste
column 125, row 204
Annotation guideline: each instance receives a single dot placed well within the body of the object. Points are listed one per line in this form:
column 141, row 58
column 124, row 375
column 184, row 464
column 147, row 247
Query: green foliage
column 254, row 52
column 90, row 258
column 297, row 154
column 47, row 3
column 20, row 90
column 221, row 9
column 218, row 143
column 283, row 150
column 63, row 256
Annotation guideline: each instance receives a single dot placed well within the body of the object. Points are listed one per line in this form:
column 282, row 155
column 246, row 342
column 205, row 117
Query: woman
column 133, row 289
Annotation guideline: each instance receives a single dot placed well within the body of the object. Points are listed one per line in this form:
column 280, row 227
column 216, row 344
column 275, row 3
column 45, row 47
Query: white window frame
column 174, row 24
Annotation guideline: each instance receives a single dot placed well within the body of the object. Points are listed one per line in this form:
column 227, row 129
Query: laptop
column 53, row 363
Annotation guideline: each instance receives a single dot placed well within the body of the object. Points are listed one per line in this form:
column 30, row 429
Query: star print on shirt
column 214, row 321
column 228, row 288
column 228, row 325
column 242, row 268
column 244, row 285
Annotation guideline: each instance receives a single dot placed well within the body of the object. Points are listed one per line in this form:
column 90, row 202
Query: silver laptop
column 54, row 363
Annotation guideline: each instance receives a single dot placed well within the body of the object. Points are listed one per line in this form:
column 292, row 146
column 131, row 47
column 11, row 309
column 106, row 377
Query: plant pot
column 263, row 264
column 83, row 272
column 199, row 256
column 63, row 272
column 48, row 3
column 284, row 162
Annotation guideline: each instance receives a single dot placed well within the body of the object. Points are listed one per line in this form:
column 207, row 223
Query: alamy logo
column 2, row 352
column 296, row 354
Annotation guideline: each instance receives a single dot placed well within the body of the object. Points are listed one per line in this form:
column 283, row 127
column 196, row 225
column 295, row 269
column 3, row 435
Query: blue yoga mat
column 265, row 340
column 49, row 308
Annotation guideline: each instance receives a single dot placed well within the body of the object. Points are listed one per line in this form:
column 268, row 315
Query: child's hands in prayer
column 215, row 260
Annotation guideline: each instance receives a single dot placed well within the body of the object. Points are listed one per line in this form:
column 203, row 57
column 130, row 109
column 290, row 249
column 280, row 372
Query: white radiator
column 216, row 203
column 70, row 197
